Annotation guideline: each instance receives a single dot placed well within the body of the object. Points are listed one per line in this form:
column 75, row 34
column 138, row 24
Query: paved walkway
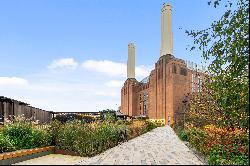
column 160, row 146
column 53, row 159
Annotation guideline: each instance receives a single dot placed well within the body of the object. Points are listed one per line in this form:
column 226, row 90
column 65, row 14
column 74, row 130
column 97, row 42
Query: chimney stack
column 166, row 30
column 131, row 61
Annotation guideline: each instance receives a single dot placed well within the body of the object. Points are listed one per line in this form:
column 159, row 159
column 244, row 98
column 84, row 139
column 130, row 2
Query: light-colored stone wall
column 131, row 61
column 166, row 30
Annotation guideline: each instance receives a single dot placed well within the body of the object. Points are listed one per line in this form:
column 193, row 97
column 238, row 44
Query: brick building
column 159, row 95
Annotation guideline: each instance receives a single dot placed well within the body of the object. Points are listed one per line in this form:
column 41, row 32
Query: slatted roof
column 6, row 99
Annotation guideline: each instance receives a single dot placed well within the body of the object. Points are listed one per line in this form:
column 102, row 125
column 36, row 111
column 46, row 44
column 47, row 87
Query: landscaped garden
column 216, row 120
column 220, row 146
column 83, row 139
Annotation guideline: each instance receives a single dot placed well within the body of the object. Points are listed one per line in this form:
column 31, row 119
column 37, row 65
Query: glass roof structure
column 145, row 80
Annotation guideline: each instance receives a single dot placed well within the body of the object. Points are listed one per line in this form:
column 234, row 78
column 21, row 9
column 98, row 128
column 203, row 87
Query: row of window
column 144, row 87
column 145, row 103
column 125, row 91
column 183, row 71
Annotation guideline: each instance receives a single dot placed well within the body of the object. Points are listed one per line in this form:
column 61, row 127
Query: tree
column 108, row 115
column 226, row 43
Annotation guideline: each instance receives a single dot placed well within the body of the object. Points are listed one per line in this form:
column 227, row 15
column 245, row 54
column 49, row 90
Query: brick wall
column 168, row 84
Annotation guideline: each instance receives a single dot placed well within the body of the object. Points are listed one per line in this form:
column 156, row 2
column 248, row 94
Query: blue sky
column 70, row 55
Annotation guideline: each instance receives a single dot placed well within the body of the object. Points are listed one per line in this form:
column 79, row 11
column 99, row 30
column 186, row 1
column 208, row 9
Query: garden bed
column 9, row 158
column 20, row 139
column 65, row 152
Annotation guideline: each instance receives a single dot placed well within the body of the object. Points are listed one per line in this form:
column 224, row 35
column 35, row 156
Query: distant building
column 159, row 95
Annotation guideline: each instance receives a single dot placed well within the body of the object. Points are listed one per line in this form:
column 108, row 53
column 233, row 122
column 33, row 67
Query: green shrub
column 40, row 138
column 53, row 130
column 220, row 156
column 151, row 125
column 183, row 135
column 19, row 133
column 198, row 139
column 5, row 144
column 221, row 146
column 23, row 136
column 90, row 139
column 136, row 128
column 93, row 138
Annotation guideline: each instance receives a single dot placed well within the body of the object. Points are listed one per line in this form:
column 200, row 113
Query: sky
column 71, row 55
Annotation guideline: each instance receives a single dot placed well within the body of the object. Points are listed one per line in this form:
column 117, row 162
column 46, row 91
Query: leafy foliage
column 53, row 130
column 219, row 145
column 181, row 133
column 5, row 144
column 216, row 119
column 21, row 135
column 86, row 139
column 220, row 156
column 226, row 43
column 108, row 115
column 93, row 138
column 72, row 116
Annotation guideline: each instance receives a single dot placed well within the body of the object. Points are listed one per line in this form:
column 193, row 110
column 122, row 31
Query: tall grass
column 94, row 138
column 86, row 139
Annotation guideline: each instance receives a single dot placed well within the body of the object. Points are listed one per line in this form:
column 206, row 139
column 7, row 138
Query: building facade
column 161, row 94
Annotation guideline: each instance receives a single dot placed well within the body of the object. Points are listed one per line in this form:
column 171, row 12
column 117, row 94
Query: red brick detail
column 167, row 87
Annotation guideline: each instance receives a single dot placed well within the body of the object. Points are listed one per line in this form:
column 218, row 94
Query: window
column 158, row 71
column 183, row 71
column 145, row 103
column 174, row 69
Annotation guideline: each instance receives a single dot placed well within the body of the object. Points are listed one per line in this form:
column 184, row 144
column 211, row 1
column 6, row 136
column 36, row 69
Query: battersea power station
column 160, row 95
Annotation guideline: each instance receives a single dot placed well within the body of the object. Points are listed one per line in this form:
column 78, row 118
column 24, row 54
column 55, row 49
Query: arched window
column 174, row 69
column 183, row 71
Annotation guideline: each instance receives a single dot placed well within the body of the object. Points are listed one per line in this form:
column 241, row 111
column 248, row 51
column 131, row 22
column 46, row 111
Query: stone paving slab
column 158, row 147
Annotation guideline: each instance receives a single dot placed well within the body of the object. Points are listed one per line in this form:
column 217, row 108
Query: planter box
column 26, row 154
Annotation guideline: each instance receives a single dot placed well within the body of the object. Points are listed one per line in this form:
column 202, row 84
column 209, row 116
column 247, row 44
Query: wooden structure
column 10, row 109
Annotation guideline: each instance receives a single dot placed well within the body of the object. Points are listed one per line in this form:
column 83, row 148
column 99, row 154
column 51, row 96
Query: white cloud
column 111, row 68
column 143, row 71
column 13, row 81
column 107, row 94
column 77, row 90
column 64, row 63
column 115, row 83
column 106, row 67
